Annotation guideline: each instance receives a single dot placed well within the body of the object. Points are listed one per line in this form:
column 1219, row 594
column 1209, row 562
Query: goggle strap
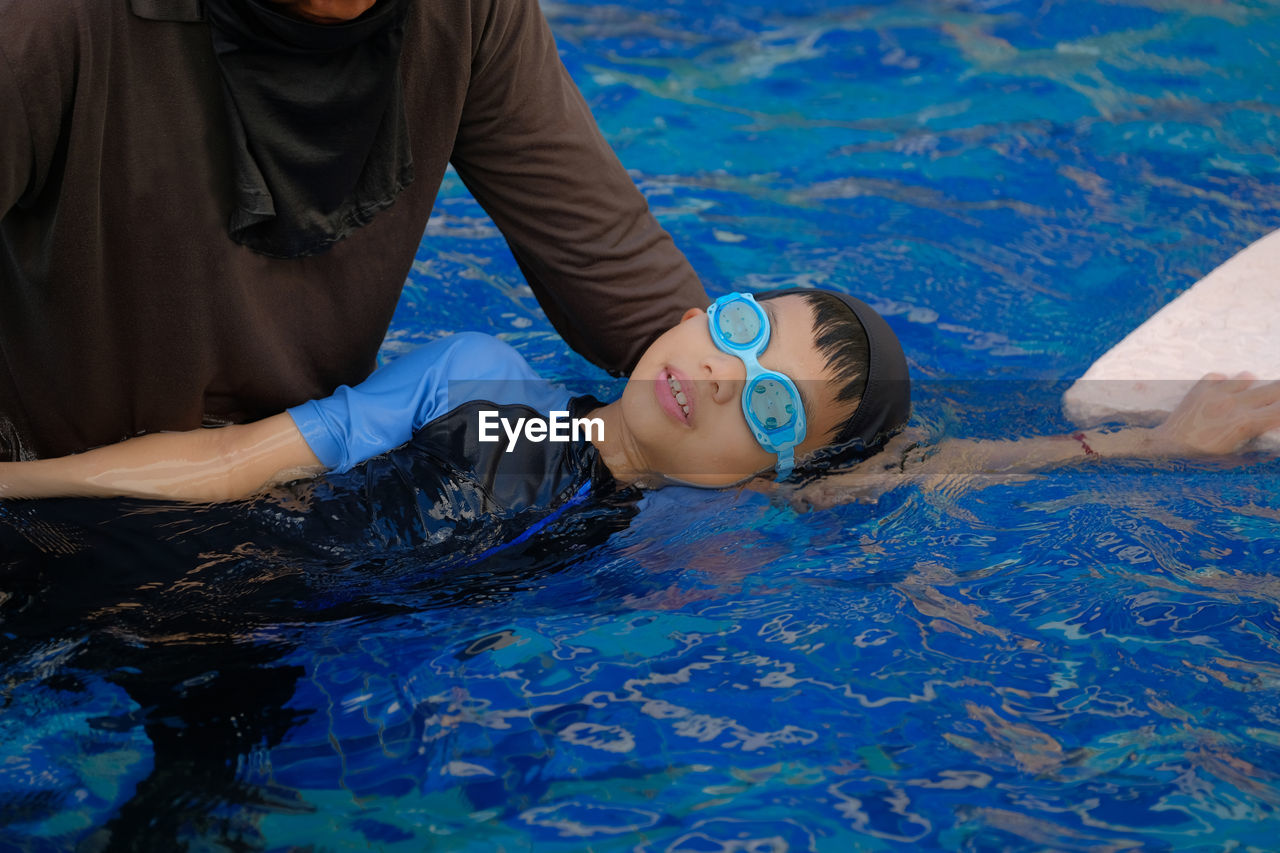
column 786, row 461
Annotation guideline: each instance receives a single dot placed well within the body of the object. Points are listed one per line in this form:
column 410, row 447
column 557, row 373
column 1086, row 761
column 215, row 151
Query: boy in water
column 743, row 388
column 795, row 382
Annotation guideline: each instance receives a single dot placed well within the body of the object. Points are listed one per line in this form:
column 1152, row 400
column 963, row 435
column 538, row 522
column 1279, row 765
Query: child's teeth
column 679, row 395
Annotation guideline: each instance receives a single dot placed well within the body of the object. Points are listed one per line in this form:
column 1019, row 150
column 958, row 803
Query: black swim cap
column 886, row 403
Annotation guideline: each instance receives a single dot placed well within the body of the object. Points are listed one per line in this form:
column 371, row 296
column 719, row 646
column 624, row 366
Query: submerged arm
column 199, row 465
column 1218, row 416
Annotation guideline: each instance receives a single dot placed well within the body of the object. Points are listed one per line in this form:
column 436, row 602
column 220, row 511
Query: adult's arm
column 1218, row 416
column 607, row 275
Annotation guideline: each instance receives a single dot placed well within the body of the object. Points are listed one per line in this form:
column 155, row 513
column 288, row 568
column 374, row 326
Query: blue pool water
column 1084, row 661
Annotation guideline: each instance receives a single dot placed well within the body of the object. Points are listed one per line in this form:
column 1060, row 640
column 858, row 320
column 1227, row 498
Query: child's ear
column 691, row 313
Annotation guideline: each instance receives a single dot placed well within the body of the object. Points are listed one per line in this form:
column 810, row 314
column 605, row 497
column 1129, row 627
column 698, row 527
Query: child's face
column 712, row 445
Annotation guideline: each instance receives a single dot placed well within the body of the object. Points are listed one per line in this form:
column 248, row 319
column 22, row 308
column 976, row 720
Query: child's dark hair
column 841, row 336
column 843, row 342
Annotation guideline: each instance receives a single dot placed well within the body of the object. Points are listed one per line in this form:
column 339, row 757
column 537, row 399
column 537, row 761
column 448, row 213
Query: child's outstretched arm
column 1218, row 416
column 332, row 434
column 219, row 464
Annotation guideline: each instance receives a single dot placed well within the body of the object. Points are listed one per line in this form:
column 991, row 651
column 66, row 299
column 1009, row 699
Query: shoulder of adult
column 498, row 25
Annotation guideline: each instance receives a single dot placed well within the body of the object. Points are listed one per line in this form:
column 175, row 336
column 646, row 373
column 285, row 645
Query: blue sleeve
column 384, row 411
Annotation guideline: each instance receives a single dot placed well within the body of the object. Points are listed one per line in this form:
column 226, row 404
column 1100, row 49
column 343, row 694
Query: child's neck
column 614, row 446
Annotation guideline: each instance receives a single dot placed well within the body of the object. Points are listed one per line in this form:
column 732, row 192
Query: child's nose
column 724, row 376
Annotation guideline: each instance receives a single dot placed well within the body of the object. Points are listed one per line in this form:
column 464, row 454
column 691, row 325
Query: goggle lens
column 738, row 323
column 771, row 404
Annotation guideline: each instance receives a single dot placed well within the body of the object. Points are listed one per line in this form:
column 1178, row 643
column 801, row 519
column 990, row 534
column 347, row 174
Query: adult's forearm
column 608, row 276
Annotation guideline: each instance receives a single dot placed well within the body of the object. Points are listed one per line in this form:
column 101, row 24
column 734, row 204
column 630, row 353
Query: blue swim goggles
column 770, row 400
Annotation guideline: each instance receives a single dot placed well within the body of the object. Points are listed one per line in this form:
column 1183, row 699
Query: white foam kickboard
column 1227, row 322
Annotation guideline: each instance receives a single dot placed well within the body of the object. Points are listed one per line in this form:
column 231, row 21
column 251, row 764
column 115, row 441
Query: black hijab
column 319, row 139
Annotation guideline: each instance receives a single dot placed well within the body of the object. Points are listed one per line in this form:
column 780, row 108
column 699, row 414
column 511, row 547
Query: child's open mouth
column 672, row 397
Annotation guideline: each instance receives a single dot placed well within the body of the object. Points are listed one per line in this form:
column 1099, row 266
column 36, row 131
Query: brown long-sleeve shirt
column 126, row 308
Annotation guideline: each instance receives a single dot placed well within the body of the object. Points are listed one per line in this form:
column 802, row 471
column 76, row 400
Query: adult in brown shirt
column 208, row 209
